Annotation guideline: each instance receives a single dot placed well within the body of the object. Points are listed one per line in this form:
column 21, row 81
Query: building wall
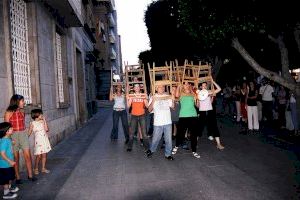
column 102, row 13
column 5, row 59
column 46, row 48
column 78, row 76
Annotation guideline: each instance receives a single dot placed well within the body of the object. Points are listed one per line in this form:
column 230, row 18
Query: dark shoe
column 33, row 179
column 185, row 147
column 129, row 149
column 142, row 142
column 19, row 181
column 149, row 153
column 169, row 158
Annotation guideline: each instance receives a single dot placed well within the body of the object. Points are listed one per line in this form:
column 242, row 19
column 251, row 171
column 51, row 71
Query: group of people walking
column 195, row 112
column 14, row 137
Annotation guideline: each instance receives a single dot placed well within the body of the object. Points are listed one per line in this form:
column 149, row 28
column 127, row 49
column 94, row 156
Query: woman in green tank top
column 187, row 117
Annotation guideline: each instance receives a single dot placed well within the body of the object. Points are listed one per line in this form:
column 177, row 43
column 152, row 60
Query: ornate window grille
column 59, row 69
column 20, row 52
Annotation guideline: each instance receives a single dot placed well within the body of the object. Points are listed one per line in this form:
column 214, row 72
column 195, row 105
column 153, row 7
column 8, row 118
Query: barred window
column 20, row 52
column 59, row 68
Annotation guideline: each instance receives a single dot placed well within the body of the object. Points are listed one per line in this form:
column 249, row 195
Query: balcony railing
column 111, row 3
column 112, row 21
column 113, row 54
column 77, row 5
column 68, row 10
column 112, row 37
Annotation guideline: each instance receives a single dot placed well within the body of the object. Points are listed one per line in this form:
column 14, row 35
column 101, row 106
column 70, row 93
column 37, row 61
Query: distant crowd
column 261, row 104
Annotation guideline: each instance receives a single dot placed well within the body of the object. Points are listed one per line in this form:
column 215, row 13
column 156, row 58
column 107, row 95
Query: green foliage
column 212, row 22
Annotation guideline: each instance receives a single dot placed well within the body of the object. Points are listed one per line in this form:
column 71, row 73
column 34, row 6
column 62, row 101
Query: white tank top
column 205, row 104
column 119, row 102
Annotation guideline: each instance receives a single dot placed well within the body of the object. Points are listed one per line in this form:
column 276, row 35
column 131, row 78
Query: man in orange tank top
column 138, row 102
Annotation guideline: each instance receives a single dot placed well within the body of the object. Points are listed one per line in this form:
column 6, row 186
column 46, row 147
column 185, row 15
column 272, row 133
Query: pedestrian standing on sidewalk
column 175, row 113
column 282, row 100
column 119, row 111
column 39, row 128
column 237, row 98
column 7, row 172
column 244, row 90
column 138, row 102
column 252, row 111
column 187, row 117
column 14, row 114
column 207, row 115
column 160, row 104
column 293, row 108
column 267, row 102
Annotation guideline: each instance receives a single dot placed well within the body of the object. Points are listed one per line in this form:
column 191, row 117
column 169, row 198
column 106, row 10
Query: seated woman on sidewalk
column 187, row 117
column 162, row 121
column 207, row 116
column 119, row 111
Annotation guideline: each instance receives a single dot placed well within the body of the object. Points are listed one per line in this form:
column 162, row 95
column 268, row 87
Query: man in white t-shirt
column 266, row 91
column 160, row 104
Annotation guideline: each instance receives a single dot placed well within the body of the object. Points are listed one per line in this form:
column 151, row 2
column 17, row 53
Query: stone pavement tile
column 158, row 190
column 63, row 158
column 139, row 178
column 109, row 180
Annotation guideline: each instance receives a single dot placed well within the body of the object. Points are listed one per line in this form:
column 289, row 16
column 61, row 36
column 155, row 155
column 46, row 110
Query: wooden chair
column 161, row 76
column 135, row 74
column 177, row 72
column 115, row 82
column 205, row 75
column 190, row 73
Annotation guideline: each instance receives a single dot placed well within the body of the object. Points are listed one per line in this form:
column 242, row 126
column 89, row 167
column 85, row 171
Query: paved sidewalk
column 89, row 166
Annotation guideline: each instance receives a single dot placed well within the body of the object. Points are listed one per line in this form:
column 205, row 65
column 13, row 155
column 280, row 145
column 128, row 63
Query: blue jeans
column 116, row 116
column 157, row 134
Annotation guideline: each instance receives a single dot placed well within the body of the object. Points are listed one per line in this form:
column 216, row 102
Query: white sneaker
column 174, row 151
column 196, row 155
column 211, row 138
column 9, row 195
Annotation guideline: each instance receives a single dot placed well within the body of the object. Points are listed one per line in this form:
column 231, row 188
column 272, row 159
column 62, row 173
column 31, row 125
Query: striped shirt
column 17, row 121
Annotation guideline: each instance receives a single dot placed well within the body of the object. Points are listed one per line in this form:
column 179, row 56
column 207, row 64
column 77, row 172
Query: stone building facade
column 108, row 44
column 48, row 55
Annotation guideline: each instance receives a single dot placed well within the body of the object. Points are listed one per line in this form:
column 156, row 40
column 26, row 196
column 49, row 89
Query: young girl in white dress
column 42, row 146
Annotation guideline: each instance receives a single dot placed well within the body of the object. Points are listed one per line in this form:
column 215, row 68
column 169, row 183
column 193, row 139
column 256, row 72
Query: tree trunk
column 295, row 87
column 285, row 69
column 297, row 36
column 216, row 66
column 267, row 73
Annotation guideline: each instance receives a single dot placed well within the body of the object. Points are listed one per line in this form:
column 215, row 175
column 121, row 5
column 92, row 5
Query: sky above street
column 132, row 28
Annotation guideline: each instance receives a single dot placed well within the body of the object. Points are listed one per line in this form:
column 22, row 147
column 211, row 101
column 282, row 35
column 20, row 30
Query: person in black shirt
column 252, row 112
